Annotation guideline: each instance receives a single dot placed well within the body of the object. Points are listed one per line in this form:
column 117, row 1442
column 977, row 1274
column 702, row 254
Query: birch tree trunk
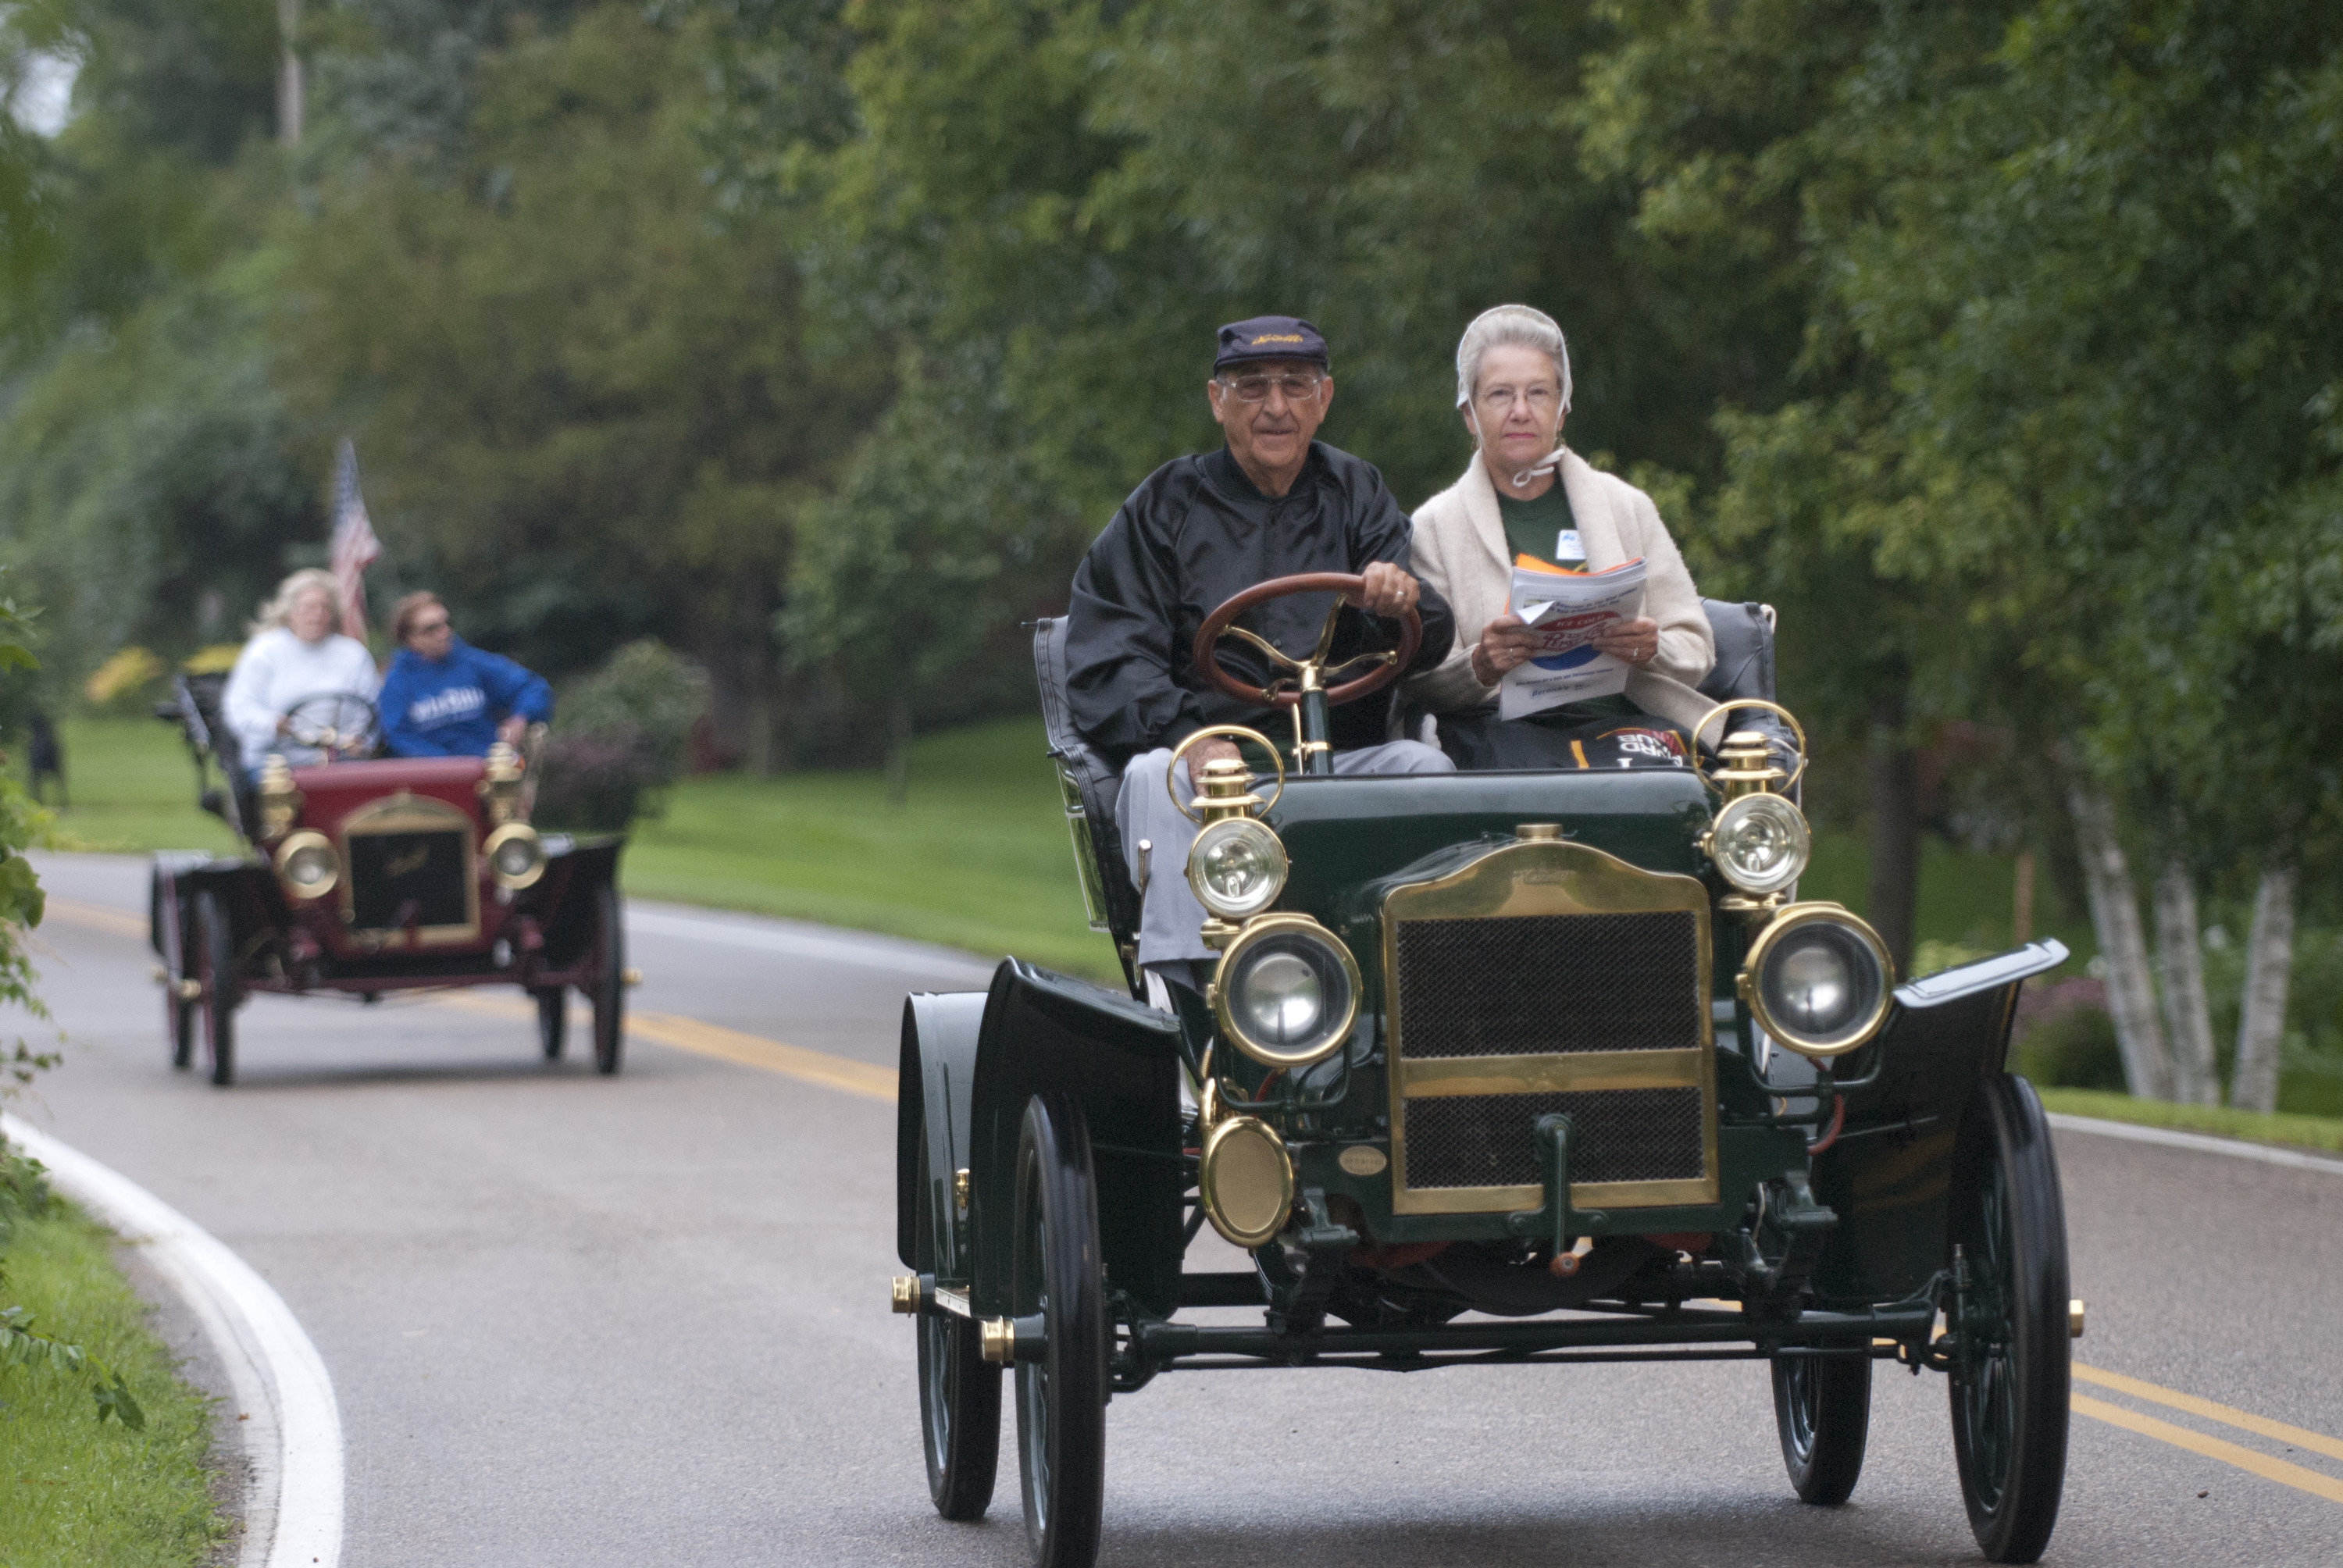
column 2180, row 965
column 2115, row 920
column 2269, row 966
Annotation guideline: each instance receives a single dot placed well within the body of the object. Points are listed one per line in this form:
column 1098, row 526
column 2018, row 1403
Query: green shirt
column 1531, row 526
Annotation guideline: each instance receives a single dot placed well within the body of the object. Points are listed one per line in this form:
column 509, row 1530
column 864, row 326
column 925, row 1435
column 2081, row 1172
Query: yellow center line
column 98, row 917
column 2260, row 1426
column 840, row 1073
column 2245, row 1459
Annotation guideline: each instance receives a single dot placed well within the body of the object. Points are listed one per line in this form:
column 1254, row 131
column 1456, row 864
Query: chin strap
column 1549, row 464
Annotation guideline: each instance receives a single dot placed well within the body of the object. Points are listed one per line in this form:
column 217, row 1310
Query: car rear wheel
column 552, row 1021
column 609, row 982
column 1822, row 1405
column 215, row 952
column 1062, row 1397
column 960, row 1390
column 2010, row 1353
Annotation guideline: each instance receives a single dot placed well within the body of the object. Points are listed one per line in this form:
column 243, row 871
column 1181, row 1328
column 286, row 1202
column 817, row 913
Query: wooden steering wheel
column 1308, row 674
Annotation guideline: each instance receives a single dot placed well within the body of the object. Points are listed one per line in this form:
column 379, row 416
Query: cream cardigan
column 1460, row 551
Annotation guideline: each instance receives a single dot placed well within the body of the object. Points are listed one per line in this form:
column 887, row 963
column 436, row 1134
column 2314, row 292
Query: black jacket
column 1197, row 531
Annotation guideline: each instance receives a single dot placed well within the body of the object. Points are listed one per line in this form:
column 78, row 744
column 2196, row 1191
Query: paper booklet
column 1568, row 609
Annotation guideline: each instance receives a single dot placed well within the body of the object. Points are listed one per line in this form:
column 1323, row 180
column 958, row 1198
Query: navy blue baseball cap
column 1269, row 338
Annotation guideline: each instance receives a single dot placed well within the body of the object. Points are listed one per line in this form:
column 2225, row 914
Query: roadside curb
column 293, row 1430
column 2197, row 1143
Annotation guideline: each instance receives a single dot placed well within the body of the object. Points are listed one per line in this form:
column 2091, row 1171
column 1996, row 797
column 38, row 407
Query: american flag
column 355, row 545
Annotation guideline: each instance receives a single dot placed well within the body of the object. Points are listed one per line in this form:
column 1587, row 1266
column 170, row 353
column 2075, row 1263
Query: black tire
column 1062, row 1397
column 215, row 954
column 1822, row 1407
column 552, row 1023
column 960, row 1390
column 2011, row 1368
column 609, row 994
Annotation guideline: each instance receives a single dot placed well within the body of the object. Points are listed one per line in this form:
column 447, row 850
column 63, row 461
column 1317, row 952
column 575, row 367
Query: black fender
column 247, row 890
column 933, row 1098
column 576, row 868
column 1889, row 1174
column 1117, row 1062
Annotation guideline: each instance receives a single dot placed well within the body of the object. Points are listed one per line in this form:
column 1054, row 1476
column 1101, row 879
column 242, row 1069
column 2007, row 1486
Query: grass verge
column 78, row 1494
column 2324, row 1134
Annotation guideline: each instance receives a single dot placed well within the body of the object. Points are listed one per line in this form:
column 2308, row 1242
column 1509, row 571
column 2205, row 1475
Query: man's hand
column 511, row 730
column 1387, row 591
column 1204, row 751
column 1506, row 643
column 1637, row 641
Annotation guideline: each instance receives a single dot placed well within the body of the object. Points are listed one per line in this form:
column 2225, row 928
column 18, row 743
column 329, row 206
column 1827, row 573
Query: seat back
column 1744, row 651
column 1091, row 785
column 199, row 700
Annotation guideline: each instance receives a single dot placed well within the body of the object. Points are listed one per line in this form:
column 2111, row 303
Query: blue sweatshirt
column 451, row 707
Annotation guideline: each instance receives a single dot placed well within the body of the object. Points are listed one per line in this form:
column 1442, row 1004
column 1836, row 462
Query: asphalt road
column 574, row 1321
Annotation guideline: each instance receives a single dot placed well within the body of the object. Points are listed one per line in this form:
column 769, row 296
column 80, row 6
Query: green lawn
column 82, row 1495
column 132, row 787
column 2323, row 1132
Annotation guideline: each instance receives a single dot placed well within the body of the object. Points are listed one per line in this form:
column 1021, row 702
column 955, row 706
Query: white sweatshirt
column 277, row 669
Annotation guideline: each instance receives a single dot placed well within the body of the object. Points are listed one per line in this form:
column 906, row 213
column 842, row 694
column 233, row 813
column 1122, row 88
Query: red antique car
column 364, row 877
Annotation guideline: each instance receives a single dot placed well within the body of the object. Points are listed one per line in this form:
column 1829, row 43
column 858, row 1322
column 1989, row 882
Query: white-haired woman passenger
column 1525, row 493
column 297, row 651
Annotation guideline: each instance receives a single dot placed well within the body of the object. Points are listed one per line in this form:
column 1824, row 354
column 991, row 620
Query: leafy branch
column 22, row 1346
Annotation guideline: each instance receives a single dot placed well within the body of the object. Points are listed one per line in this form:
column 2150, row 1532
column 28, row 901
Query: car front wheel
column 609, row 982
column 2008, row 1325
column 215, row 947
column 1060, row 1396
column 960, row 1390
column 552, row 1021
column 1822, row 1406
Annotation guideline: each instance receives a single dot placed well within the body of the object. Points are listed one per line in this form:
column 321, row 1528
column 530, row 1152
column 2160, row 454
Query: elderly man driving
column 1274, row 502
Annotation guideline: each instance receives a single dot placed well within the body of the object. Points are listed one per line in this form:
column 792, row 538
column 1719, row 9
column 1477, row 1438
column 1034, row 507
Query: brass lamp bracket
column 1743, row 765
column 279, row 802
column 1224, row 790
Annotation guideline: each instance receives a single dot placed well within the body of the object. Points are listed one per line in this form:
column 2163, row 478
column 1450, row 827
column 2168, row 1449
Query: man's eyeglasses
column 426, row 628
column 1256, row 388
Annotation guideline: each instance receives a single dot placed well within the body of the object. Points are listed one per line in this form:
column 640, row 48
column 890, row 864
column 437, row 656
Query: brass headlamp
column 500, row 784
column 279, row 802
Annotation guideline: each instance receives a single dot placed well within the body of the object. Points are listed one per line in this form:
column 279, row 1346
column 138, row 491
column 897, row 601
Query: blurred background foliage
column 1995, row 342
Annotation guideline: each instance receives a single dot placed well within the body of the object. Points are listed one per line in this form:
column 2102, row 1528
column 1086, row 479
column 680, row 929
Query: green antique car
column 1494, row 1067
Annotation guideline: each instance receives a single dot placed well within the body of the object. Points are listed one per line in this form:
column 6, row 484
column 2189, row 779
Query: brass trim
column 1733, row 779
column 1745, row 983
column 307, row 837
column 1440, row 1077
column 2075, row 1318
column 961, row 1190
column 1363, row 1160
column 279, row 800
column 407, row 812
column 1744, row 805
column 1220, row 907
column 996, row 1340
column 496, row 840
column 903, row 1293
column 1086, row 866
column 1535, row 876
column 1258, row 929
column 1236, row 1129
column 1231, row 805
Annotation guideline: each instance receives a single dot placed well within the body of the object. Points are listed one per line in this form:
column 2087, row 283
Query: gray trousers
column 1170, row 918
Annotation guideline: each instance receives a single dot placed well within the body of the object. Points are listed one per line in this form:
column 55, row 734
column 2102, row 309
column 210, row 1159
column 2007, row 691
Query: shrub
column 593, row 782
column 645, row 687
column 125, row 683
column 2065, row 1038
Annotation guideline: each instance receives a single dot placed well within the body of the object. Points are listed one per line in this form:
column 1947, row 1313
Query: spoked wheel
column 1062, row 1397
column 179, row 1023
column 1822, row 1405
column 552, row 1023
column 2008, row 1322
column 610, row 983
column 960, row 1390
column 215, row 952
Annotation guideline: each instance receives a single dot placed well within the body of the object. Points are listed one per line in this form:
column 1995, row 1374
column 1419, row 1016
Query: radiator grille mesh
column 1491, row 1139
column 1539, row 985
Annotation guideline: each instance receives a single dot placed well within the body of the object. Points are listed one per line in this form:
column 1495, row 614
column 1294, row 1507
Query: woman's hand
column 1637, row 641
column 1506, row 643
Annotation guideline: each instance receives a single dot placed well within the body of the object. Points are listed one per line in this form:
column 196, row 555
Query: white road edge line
column 293, row 1499
column 2197, row 1143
